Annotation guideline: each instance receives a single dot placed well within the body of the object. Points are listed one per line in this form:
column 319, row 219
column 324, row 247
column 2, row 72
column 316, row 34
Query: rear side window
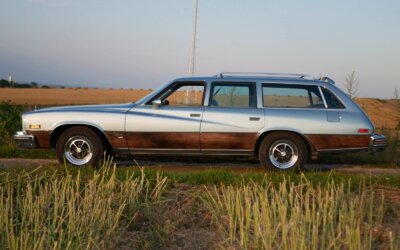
column 291, row 96
column 233, row 95
column 331, row 100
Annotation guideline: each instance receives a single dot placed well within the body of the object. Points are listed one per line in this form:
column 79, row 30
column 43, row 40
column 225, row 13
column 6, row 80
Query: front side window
column 186, row 95
column 182, row 94
column 233, row 95
column 291, row 96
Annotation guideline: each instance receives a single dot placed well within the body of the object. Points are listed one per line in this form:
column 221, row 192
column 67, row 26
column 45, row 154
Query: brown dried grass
column 47, row 97
column 383, row 113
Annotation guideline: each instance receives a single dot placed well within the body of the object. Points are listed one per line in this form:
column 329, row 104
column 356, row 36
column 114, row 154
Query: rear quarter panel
column 315, row 127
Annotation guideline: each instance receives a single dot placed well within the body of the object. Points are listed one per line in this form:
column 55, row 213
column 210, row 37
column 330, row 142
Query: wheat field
column 46, row 97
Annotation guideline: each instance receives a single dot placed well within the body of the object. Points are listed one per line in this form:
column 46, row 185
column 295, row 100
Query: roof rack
column 224, row 74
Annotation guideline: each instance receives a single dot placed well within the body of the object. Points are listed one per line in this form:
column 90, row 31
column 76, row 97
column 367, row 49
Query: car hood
column 87, row 108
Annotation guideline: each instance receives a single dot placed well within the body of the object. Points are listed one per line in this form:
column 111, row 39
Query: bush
column 22, row 86
column 10, row 121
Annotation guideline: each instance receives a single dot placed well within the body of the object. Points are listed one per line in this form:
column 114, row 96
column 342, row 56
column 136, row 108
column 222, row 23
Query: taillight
column 363, row 130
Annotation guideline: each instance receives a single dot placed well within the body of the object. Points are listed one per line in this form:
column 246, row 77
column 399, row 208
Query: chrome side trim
column 155, row 151
column 342, row 150
column 121, row 151
column 164, row 149
column 230, row 150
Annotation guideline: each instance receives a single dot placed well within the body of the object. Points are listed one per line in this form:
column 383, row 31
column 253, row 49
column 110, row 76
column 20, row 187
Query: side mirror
column 156, row 103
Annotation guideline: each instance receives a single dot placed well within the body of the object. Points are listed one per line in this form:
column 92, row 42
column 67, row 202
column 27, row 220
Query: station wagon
column 283, row 119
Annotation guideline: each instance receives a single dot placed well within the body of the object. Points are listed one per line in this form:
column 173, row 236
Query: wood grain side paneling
column 324, row 142
column 42, row 138
column 237, row 141
column 163, row 140
column 116, row 139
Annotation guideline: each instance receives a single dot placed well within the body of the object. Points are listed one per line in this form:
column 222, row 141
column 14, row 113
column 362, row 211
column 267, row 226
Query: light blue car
column 283, row 119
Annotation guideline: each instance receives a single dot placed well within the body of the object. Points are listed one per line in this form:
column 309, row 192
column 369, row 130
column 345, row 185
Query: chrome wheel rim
column 78, row 150
column 283, row 154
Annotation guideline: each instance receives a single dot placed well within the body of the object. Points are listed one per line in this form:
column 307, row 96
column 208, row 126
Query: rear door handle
column 254, row 118
column 194, row 115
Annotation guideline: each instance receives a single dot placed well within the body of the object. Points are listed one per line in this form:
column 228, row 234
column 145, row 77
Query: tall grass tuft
column 65, row 211
column 298, row 216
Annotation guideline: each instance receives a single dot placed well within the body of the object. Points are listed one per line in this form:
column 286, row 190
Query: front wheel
column 79, row 146
column 283, row 151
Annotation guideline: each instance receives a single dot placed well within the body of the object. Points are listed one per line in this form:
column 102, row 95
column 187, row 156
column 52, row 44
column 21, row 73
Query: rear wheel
column 283, row 151
column 79, row 146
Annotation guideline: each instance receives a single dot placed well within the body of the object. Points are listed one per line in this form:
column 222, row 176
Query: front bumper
column 377, row 143
column 22, row 140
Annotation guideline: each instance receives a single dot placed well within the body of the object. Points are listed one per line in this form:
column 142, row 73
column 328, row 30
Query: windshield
column 149, row 96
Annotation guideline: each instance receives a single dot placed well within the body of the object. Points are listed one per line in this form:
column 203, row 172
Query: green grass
column 221, row 176
column 386, row 159
column 10, row 151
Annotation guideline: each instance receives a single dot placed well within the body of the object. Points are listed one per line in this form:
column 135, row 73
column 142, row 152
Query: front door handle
column 254, row 118
column 194, row 115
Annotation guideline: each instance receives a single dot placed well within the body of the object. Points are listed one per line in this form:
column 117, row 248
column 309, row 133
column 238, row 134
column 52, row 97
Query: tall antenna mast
column 194, row 34
column 189, row 92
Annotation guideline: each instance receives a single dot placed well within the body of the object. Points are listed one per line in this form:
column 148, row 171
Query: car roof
column 233, row 79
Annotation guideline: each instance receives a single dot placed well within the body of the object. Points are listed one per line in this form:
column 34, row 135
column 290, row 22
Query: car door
column 169, row 122
column 231, row 120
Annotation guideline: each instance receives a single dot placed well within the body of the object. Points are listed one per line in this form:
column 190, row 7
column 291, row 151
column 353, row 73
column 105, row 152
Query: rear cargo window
column 331, row 100
column 291, row 96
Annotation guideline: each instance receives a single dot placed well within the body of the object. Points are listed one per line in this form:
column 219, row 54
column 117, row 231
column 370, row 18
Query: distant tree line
column 34, row 85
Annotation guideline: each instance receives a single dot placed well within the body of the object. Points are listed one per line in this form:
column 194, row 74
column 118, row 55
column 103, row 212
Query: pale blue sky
column 142, row 44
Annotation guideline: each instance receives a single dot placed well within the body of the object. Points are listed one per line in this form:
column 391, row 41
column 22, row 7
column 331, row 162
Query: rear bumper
column 377, row 143
column 23, row 140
